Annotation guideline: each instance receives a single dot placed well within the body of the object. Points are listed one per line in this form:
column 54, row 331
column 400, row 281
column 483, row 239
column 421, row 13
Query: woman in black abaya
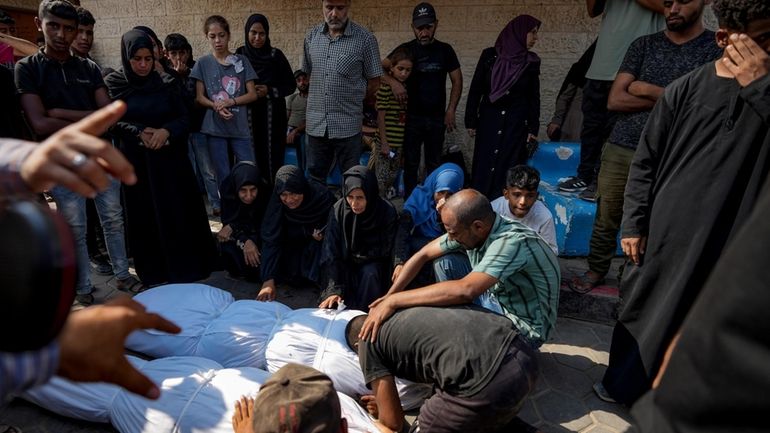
column 503, row 108
column 243, row 206
column 166, row 224
column 274, row 82
column 358, row 243
column 293, row 230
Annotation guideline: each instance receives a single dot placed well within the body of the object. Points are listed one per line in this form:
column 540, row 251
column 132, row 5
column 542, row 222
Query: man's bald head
column 469, row 205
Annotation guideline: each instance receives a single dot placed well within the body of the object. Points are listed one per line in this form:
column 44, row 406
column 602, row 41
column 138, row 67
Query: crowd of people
column 673, row 124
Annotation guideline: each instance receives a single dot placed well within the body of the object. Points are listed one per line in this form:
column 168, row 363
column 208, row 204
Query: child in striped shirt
column 391, row 122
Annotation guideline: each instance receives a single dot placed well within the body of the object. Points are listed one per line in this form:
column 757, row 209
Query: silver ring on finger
column 78, row 160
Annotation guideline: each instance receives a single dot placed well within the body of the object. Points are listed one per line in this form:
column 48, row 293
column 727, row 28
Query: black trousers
column 421, row 131
column 597, row 125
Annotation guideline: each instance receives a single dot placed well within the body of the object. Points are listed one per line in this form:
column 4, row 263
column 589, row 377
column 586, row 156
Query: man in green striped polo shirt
column 508, row 259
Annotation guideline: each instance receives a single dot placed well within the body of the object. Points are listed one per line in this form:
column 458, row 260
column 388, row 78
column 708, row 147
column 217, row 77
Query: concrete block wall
column 469, row 26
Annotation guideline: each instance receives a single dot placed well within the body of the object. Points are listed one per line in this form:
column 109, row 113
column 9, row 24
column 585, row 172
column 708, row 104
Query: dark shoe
column 130, row 284
column 585, row 283
column 602, row 393
column 84, row 299
column 572, row 184
column 101, row 265
column 589, row 194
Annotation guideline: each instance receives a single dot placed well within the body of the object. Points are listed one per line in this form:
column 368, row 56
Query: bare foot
column 243, row 418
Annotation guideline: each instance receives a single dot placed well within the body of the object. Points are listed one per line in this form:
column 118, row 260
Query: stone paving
column 574, row 358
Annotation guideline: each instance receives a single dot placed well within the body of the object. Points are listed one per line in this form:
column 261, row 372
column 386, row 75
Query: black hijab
column 260, row 58
column 233, row 209
column 125, row 81
column 364, row 231
column 313, row 212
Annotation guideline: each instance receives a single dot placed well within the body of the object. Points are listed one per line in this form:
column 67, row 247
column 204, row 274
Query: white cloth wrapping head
column 197, row 396
column 214, row 325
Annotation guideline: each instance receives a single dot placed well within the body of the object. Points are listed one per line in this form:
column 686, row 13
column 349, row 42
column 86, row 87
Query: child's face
column 520, row 201
column 218, row 38
column 178, row 57
column 401, row 70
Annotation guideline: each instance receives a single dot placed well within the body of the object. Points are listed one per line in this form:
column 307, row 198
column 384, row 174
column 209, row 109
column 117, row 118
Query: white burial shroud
column 197, row 396
column 264, row 335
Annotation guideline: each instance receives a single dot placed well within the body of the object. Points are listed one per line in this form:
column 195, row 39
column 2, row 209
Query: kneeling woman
column 420, row 223
column 243, row 207
column 293, row 230
column 358, row 244
column 167, row 229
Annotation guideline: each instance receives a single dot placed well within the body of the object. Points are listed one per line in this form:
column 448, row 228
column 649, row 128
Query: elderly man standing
column 343, row 62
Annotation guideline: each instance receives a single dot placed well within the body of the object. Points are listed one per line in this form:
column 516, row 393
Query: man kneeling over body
column 482, row 370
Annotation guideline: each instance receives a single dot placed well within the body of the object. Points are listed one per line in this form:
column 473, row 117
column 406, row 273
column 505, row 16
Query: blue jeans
column 220, row 157
column 201, row 162
column 454, row 266
column 73, row 208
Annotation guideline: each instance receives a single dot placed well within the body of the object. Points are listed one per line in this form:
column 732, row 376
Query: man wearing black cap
column 428, row 115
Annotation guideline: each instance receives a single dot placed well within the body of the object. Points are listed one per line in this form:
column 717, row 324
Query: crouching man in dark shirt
column 481, row 368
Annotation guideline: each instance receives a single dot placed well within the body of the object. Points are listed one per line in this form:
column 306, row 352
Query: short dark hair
column 399, row 54
column 469, row 205
column 352, row 329
column 58, row 8
column 85, row 18
column 177, row 42
column 216, row 19
column 523, row 177
column 737, row 14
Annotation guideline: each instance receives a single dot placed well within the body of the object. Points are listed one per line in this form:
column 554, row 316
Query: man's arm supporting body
column 452, row 292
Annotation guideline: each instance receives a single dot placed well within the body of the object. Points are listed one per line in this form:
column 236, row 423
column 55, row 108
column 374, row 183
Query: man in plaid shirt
column 343, row 61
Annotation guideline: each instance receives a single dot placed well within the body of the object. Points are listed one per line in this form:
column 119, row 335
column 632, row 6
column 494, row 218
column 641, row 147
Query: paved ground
column 572, row 360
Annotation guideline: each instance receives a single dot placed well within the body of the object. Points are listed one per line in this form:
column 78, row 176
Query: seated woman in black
column 293, row 230
column 358, row 244
column 243, row 206
column 166, row 224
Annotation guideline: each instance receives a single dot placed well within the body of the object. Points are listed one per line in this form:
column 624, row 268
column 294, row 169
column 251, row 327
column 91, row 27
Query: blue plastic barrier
column 574, row 218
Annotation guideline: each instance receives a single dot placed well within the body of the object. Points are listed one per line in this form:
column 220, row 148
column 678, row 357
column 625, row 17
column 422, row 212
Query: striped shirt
column 527, row 271
column 23, row 370
column 339, row 68
column 395, row 115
